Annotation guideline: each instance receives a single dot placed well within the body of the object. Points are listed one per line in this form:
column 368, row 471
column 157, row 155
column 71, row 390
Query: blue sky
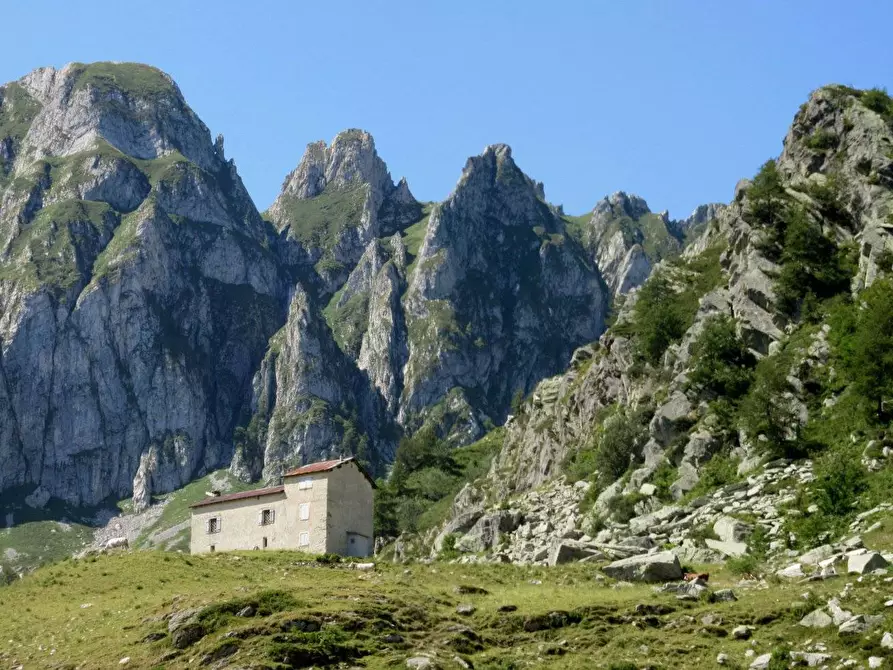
column 673, row 100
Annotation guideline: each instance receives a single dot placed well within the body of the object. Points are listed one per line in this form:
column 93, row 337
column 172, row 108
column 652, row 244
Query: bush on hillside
column 810, row 264
column 766, row 197
column 658, row 319
column 427, row 472
column 723, row 366
column 868, row 350
column 878, row 100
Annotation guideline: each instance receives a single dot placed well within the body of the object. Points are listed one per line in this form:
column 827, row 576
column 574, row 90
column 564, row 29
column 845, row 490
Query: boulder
column 687, row 480
column 793, row 571
column 810, row 659
column 761, row 662
column 664, row 424
column 659, row 567
column 567, row 551
column 741, row 632
column 817, row 555
column 730, row 549
column 730, row 529
column 484, row 534
column 184, row 628
column 816, row 619
column 864, row 563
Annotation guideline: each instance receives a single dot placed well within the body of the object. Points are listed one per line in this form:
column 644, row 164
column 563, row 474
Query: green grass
column 317, row 222
column 17, row 111
column 48, row 250
column 414, row 235
column 132, row 78
column 100, row 610
column 37, row 542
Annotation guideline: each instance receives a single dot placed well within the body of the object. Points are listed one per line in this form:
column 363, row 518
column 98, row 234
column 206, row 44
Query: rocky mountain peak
column 135, row 108
column 350, row 161
column 619, row 204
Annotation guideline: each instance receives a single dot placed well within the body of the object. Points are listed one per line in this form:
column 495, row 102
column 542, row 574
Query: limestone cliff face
column 499, row 294
column 136, row 289
column 311, row 403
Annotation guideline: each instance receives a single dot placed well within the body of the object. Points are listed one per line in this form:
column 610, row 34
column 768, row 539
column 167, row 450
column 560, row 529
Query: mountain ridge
column 156, row 327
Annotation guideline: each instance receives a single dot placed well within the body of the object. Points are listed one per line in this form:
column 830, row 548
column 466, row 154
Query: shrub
column 748, row 564
column 840, row 479
column 810, row 263
column 448, row 550
column 868, row 350
column 877, row 100
column 821, row 140
column 766, row 198
column 658, row 320
column 618, row 442
column 718, row 471
column 613, row 447
column 723, row 366
column 622, row 507
column 766, row 412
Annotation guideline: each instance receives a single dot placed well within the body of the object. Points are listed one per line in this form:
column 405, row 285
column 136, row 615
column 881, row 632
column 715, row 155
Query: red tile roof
column 326, row 466
column 322, row 466
column 256, row 493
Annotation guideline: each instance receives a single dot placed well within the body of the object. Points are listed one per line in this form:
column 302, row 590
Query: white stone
column 864, row 563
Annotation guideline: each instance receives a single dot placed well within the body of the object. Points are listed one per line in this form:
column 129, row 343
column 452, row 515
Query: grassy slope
column 97, row 611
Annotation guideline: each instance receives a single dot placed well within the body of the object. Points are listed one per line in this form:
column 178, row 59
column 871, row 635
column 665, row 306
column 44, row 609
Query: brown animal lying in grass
column 697, row 576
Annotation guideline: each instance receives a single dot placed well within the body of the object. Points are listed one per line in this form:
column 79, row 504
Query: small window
column 305, row 483
column 213, row 525
column 267, row 517
column 304, row 539
column 304, row 511
column 265, row 543
column 212, row 547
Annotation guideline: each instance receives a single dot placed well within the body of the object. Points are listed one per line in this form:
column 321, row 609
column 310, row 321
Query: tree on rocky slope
column 869, row 351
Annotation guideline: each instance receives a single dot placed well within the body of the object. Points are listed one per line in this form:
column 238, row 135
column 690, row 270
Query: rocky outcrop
column 626, row 240
column 335, row 203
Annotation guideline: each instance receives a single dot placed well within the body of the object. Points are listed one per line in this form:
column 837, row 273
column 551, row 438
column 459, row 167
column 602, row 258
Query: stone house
column 319, row 508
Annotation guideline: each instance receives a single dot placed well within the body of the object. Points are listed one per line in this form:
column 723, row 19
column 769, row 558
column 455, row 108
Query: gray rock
column 663, row 426
column 465, row 609
column 729, row 529
column 761, row 661
column 810, row 659
column 727, row 548
column 567, row 551
column 742, row 632
column 865, row 563
column 658, row 567
column 816, row 619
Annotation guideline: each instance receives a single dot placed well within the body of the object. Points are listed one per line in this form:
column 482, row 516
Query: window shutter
column 272, row 516
column 260, row 518
column 219, row 523
column 208, row 526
